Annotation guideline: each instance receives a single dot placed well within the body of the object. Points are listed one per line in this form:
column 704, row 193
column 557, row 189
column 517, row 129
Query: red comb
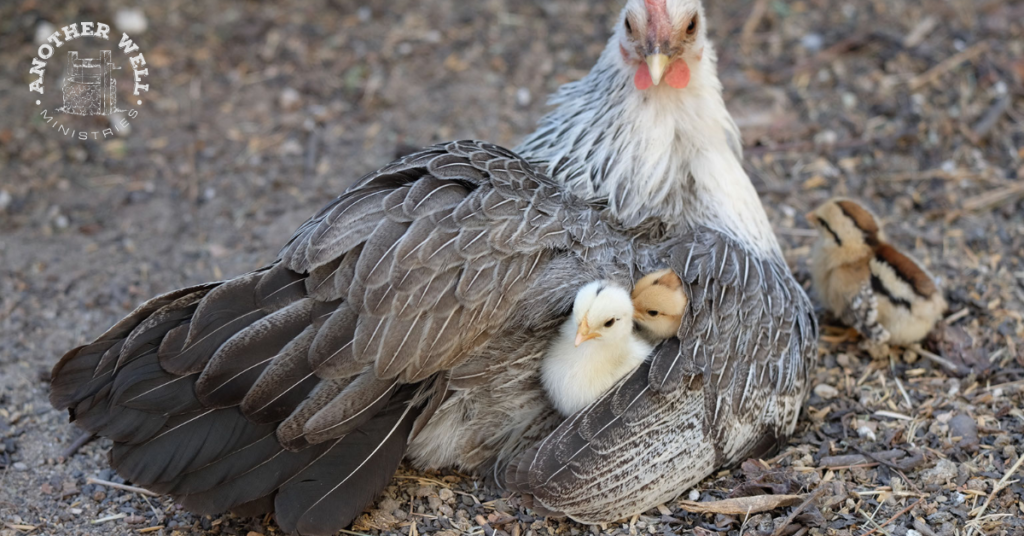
column 659, row 25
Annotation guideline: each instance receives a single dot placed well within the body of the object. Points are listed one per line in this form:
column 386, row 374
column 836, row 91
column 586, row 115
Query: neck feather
column 663, row 153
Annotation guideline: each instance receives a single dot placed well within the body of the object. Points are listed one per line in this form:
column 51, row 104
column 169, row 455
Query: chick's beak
column 584, row 334
column 657, row 64
column 812, row 218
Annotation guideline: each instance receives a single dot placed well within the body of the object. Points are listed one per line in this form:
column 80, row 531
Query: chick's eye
column 652, row 312
column 692, row 27
column 629, row 27
column 609, row 323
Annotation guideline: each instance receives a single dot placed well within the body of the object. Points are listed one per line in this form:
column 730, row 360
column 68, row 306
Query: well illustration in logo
column 89, row 87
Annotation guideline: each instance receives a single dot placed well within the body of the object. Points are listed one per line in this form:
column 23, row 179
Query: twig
column 750, row 26
column 994, row 198
column 893, row 415
column 936, row 358
column 991, row 117
column 1003, row 482
column 920, row 31
column 825, row 56
column 871, row 518
column 141, row 491
column 78, row 443
column 953, row 317
column 899, row 384
column 893, row 518
column 792, row 515
column 947, row 65
column 108, row 518
column 929, row 174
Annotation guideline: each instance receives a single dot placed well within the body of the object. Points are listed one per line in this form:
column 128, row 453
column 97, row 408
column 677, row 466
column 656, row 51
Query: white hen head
column 663, row 39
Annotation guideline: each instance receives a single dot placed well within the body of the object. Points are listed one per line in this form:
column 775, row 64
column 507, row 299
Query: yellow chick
column 607, row 336
column 868, row 283
column 659, row 302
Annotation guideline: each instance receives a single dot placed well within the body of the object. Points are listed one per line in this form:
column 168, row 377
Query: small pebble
column 43, row 31
column 20, row 466
column 943, row 472
column 290, row 100
column 523, row 97
column 826, row 391
column 812, row 42
column 131, row 20
column 866, row 433
column 694, row 495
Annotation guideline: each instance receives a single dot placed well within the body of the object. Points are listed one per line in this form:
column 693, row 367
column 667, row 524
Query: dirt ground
column 259, row 113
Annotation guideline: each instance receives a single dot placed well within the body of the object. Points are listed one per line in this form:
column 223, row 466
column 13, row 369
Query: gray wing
column 730, row 386
column 294, row 388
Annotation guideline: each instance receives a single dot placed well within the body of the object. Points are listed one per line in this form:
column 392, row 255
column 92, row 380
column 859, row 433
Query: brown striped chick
column 868, row 283
column 606, row 338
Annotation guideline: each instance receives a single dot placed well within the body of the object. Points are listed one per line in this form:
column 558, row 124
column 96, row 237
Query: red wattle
column 677, row 76
column 642, row 80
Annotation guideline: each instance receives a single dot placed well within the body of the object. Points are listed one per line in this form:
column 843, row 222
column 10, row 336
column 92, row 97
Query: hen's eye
column 629, row 27
column 609, row 323
column 652, row 312
column 692, row 27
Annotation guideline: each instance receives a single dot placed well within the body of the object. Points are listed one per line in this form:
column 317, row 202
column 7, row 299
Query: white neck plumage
column 671, row 154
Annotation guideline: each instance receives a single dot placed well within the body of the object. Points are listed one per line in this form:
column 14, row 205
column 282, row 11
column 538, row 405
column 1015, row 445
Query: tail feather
column 250, row 481
column 357, row 404
column 331, row 492
column 143, row 385
column 236, row 365
column 119, row 423
column 225, row 311
column 229, row 467
column 213, row 394
column 168, row 317
column 291, row 432
column 284, row 384
column 77, row 375
column 186, row 442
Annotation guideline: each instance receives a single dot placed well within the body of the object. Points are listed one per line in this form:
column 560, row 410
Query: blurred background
column 258, row 113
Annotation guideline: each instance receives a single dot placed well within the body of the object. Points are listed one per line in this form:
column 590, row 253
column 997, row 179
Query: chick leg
column 862, row 314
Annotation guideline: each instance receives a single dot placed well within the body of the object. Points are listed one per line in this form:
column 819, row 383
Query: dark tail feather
column 226, row 310
column 236, row 365
column 77, row 376
column 284, row 384
column 250, row 475
column 331, row 492
column 185, row 443
column 116, row 422
column 144, row 385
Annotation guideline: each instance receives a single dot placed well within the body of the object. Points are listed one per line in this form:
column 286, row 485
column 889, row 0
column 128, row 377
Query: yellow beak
column 584, row 334
column 656, row 64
